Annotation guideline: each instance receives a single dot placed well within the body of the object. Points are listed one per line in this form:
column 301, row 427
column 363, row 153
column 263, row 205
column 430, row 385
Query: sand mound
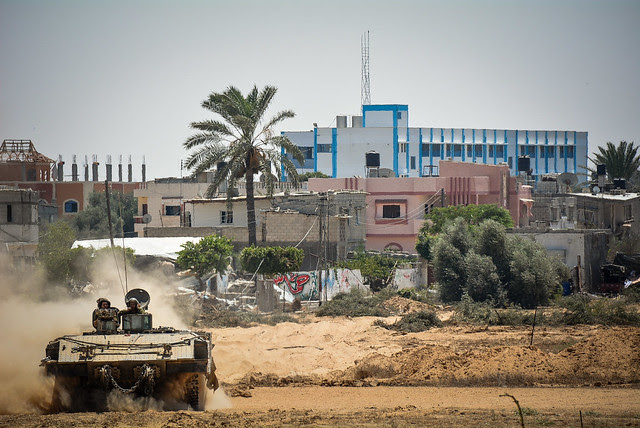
column 611, row 356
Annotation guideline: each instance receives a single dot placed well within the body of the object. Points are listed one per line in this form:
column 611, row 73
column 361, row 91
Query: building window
column 491, row 151
column 550, row 152
column 425, row 149
column 478, row 149
column 469, row 151
column 324, row 148
column 457, row 150
column 428, row 208
column 402, row 147
column 413, row 162
column 500, row 151
column 391, row 211
column 530, row 151
column 9, row 214
column 569, row 151
column 436, row 149
column 226, row 217
column 71, row 207
column 307, row 152
column 172, row 210
column 145, row 209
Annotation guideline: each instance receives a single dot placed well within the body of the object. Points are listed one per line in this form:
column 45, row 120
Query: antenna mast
column 365, row 90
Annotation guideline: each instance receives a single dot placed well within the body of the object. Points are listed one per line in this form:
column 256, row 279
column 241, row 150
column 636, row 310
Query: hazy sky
column 128, row 77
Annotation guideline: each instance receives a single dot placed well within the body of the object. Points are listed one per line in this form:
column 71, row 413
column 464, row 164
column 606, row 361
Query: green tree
column 271, row 260
column 92, row 222
column 534, row 274
column 209, row 254
column 449, row 260
column 492, row 242
column 487, row 264
column 316, row 174
column 245, row 142
column 376, row 269
column 438, row 218
column 54, row 250
column 483, row 282
column 621, row 160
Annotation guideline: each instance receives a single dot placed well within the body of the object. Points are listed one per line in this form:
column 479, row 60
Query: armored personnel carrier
column 127, row 355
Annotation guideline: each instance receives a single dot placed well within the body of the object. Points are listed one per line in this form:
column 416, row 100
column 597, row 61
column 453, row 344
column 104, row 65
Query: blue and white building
column 415, row 152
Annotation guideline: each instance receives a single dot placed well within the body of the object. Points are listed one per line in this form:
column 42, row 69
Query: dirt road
column 381, row 406
column 348, row 372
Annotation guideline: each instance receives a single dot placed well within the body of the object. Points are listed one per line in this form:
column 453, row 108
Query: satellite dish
column 146, row 219
column 596, row 190
column 568, row 179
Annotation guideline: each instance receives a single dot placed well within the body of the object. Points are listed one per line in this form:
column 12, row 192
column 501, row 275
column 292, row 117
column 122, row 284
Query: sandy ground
column 344, row 371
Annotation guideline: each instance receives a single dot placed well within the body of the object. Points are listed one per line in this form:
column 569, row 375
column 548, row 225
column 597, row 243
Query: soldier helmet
column 102, row 299
column 133, row 299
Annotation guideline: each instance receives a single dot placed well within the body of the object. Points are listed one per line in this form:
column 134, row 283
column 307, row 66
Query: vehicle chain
column 146, row 374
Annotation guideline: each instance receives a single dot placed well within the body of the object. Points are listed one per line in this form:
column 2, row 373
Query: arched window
column 70, row 206
column 393, row 247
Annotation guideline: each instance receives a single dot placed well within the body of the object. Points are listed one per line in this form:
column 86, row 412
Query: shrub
column 582, row 309
column 355, row 304
column 413, row 323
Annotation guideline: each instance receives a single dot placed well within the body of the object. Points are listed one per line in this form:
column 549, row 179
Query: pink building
column 396, row 206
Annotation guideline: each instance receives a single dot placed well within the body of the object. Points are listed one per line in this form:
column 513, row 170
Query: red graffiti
column 294, row 281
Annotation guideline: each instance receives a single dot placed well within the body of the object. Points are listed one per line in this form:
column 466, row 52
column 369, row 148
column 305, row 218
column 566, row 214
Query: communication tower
column 365, row 90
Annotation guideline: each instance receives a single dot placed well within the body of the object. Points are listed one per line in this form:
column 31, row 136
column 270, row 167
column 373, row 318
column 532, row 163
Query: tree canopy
column 473, row 215
column 209, row 254
column 92, row 222
column 242, row 144
column 621, row 160
column 271, row 260
column 486, row 264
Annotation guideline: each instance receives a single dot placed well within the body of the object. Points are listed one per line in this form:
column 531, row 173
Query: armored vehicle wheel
column 67, row 395
column 196, row 392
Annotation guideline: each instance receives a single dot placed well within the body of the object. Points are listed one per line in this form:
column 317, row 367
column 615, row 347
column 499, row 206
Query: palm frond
column 212, row 126
column 200, row 139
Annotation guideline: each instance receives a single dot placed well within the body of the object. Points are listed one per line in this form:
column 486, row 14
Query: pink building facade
column 396, row 206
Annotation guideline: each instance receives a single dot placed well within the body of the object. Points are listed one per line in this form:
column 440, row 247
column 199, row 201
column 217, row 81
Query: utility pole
column 323, row 201
column 106, row 191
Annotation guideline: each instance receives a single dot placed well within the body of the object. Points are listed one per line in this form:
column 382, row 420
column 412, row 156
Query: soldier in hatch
column 133, row 307
column 104, row 313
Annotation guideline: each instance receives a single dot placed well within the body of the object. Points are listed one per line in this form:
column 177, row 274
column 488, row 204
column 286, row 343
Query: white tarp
column 160, row 247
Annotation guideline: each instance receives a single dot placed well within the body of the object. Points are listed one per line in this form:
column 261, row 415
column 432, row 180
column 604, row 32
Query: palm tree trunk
column 251, row 209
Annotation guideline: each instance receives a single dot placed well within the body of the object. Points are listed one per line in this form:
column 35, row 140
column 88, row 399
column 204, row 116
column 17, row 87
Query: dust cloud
column 218, row 399
column 34, row 312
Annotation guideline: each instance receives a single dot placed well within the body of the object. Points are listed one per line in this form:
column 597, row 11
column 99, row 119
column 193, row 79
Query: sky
column 127, row 77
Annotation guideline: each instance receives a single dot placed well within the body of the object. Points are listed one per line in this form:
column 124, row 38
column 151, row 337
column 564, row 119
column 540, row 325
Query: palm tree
column 245, row 142
column 621, row 161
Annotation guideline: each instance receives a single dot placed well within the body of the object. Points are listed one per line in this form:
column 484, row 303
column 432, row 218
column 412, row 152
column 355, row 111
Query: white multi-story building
column 415, row 152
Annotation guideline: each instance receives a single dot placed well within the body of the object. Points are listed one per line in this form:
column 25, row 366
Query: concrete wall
column 18, row 215
column 588, row 246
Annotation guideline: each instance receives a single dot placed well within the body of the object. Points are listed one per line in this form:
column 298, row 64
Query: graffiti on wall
column 300, row 285
column 406, row 278
column 295, row 281
column 306, row 285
